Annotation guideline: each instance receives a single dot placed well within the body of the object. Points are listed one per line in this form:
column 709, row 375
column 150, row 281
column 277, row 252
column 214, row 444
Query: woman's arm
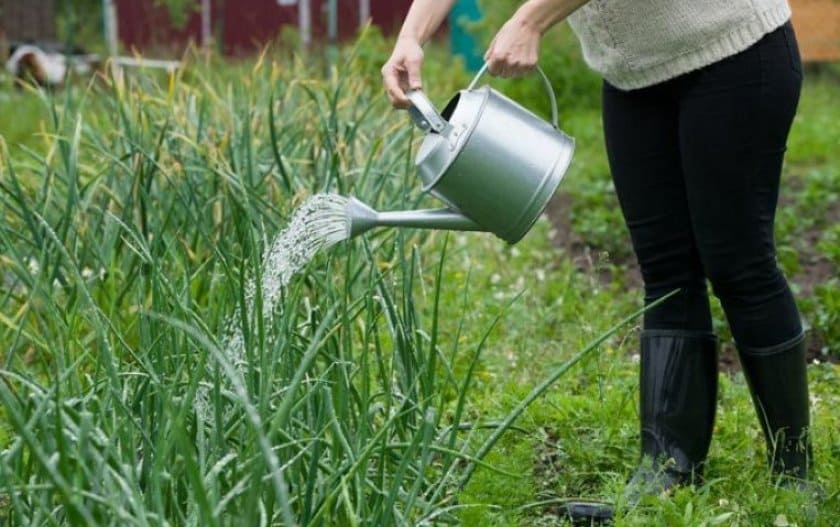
column 423, row 19
column 402, row 71
column 515, row 48
column 543, row 14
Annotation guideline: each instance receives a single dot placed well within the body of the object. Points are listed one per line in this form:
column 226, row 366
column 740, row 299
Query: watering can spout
column 362, row 218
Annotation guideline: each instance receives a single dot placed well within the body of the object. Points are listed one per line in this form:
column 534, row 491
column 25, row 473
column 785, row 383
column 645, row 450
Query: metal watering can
column 493, row 162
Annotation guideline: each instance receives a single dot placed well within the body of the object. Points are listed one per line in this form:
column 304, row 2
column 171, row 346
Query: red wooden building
column 27, row 21
column 242, row 26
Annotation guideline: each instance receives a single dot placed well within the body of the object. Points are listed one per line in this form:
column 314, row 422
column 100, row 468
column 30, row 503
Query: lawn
column 136, row 210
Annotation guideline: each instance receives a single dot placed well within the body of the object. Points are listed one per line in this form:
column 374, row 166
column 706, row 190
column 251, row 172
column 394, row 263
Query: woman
column 698, row 99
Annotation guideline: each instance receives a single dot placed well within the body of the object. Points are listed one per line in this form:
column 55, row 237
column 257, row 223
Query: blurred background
column 239, row 27
column 162, row 32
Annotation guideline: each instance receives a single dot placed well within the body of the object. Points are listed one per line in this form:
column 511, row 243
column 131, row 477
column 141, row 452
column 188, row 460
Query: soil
column 584, row 256
column 814, row 269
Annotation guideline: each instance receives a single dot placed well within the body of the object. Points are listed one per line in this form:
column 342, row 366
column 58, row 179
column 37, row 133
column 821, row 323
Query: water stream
column 319, row 223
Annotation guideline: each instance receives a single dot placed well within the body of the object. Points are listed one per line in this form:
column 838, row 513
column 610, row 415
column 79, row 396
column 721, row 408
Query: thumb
column 489, row 49
column 412, row 67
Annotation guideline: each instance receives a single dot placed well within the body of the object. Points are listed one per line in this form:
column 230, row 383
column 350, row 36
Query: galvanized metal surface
column 494, row 162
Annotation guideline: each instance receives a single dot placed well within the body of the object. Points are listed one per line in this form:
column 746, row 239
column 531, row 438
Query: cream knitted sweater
column 636, row 43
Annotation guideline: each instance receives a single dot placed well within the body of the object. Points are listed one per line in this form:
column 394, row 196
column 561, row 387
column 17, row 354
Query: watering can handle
column 554, row 119
column 424, row 113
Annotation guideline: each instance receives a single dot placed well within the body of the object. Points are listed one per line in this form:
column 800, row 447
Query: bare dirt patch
column 587, row 258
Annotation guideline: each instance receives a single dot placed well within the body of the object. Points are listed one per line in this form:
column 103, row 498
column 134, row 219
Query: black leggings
column 696, row 163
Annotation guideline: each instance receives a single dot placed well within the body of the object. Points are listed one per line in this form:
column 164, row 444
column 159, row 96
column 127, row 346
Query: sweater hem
column 727, row 45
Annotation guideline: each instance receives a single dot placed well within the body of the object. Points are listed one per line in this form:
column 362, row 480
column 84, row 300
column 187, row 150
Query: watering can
column 493, row 162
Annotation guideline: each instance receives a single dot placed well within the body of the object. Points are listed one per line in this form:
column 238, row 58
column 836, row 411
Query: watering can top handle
column 546, row 83
column 424, row 113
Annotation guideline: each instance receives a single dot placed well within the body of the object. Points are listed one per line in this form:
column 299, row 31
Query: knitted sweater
column 637, row 43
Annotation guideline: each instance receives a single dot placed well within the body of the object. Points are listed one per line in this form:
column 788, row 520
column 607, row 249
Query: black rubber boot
column 677, row 400
column 779, row 387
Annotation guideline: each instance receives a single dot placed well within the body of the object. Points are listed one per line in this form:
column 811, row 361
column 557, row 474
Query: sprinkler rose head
column 360, row 218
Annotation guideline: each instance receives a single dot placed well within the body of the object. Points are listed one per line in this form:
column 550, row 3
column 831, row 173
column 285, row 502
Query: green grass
column 24, row 117
column 392, row 362
column 581, row 438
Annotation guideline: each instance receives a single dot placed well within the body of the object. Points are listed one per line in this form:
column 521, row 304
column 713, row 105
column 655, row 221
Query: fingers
column 513, row 51
column 509, row 64
column 412, row 66
column 391, row 81
column 402, row 72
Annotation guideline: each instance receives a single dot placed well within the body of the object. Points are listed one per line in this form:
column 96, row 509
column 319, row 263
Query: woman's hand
column 514, row 50
column 402, row 71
